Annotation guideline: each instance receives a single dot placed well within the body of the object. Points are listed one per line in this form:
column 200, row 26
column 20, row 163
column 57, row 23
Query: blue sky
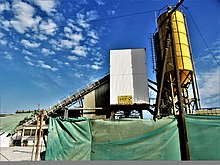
column 51, row 48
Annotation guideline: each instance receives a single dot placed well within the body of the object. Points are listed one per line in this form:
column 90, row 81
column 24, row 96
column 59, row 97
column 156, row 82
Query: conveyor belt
column 74, row 97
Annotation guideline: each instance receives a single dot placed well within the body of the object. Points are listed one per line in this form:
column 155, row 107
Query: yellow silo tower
column 172, row 43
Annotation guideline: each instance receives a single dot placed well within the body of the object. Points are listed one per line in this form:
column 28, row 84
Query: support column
column 39, row 136
column 184, row 146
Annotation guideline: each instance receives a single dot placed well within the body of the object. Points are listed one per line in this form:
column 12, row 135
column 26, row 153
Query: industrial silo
column 165, row 42
column 181, row 45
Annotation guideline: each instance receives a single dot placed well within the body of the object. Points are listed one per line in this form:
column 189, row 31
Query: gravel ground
column 15, row 153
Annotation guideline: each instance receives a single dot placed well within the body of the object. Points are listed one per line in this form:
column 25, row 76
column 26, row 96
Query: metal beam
column 159, row 93
column 194, row 79
column 74, row 109
column 151, row 81
column 151, row 87
column 184, row 146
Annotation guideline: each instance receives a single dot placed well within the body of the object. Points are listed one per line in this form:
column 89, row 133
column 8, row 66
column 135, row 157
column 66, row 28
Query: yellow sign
column 125, row 100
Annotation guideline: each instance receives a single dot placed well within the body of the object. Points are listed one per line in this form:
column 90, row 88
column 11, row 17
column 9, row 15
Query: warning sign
column 125, row 100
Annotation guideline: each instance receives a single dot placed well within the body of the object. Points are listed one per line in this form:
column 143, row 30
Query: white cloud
column 111, row 12
column 40, row 37
column 78, row 75
column 81, row 20
column 96, row 67
column 2, row 34
column 47, row 52
column 100, row 2
column 8, row 56
column 93, row 41
column 5, row 24
column 91, row 15
column 12, row 46
column 42, row 85
column 206, row 57
column 94, row 37
column 98, row 54
column 72, row 58
column 98, row 62
column 29, row 44
column 209, row 76
column 58, row 17
column 48, row 27
column 67, row 30
column 59, row 63
column 29, row 63
column 75, row 37
column 27, row 52
column 80, row 51
column 66, row 44
column 27, row 58
column 67, row 64
column 74, row 27
column 55, row 44
column 47, row 6
column 3, row 42
column 86, row 66
column 24, row 17
column 4, row 7
column 45, row 66
column 93, row 34
column 93, row 79
column 210, row 87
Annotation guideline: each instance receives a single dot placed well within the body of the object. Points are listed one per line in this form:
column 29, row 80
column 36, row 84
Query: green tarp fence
column 9, row 123
column 84, row 139
column 203, row 137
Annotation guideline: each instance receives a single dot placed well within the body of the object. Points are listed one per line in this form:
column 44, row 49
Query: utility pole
column 39, row 135
column 35, row 136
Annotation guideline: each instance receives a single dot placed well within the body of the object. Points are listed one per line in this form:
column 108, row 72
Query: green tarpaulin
column 83, row 139
column 203, row 137
column 9, row 123
column 69, row 139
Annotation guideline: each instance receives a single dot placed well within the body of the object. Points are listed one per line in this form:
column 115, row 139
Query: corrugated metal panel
column 128, row 75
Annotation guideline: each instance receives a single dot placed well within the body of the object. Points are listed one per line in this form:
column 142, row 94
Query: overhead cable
column 202, row 36
column 104, row 19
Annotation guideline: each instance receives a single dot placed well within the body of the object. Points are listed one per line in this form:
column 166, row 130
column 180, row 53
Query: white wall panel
column 128, row 75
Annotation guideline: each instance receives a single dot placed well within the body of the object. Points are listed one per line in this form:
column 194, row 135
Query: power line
column 121, row 16
column 202, row 36
column 93, row 21
column 104, row 19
